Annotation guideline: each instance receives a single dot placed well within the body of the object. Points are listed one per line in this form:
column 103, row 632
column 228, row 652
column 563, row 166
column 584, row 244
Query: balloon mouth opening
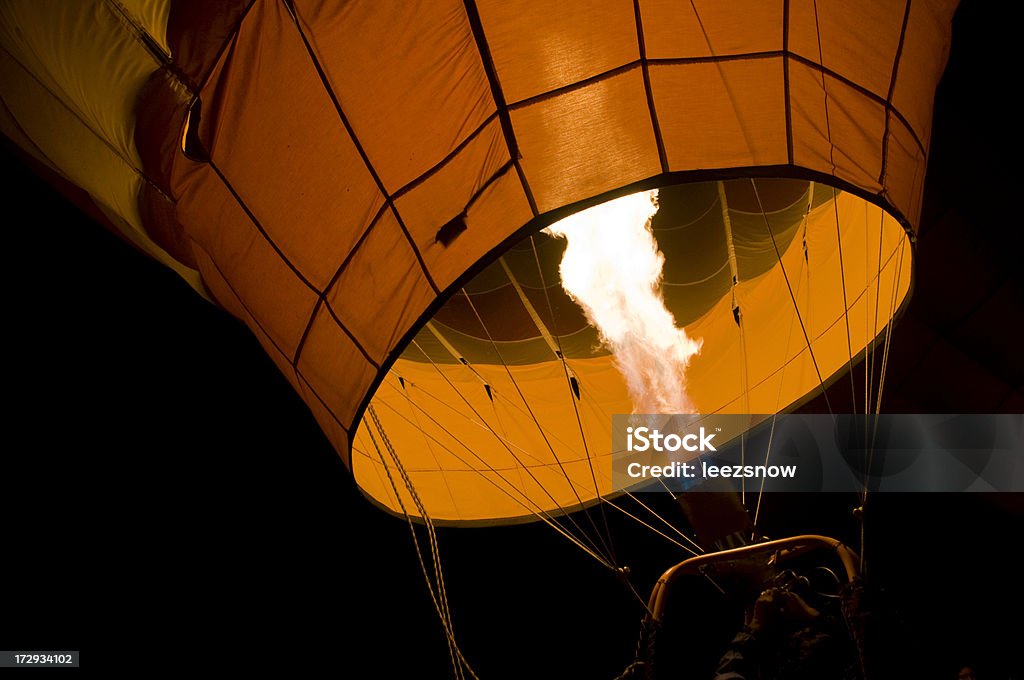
column 765, row 290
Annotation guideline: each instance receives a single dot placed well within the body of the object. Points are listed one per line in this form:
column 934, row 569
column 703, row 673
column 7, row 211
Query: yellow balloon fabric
column 334, row 174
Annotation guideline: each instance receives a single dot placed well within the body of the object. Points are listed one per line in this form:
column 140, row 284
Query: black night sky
column 167, row 500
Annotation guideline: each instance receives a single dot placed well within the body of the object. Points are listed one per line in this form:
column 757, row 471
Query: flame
column 612, row 268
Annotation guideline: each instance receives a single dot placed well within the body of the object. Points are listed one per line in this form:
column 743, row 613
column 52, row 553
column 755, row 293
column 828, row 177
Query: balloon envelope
column 332, row 174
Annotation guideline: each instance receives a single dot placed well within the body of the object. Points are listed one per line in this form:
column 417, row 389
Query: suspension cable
column 439, row 598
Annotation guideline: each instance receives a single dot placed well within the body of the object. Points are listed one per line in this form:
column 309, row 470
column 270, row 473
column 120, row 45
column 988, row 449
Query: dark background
column 165, row 498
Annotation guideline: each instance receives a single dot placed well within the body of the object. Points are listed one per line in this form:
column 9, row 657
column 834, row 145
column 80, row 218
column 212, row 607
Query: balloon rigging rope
column 637, row 500
column 732, row 255
column 835, row 207
column 725, row 81
column 696, row 546
column 486, row 427
column 846, row 307
column 744, row 364
column 871, row 368
column 642, row 522
column 792, row 297
column 846, row 315
column 505, row 436
column 561, row 530
column 543, row 517
column 552, row 332
column 885, row 354
column 540, row 429
column 508, row 445
column 440, row 597
column 427, row 444
column 565, row 513
column 746, row 400
column 881, row 385
column 782, row 382
column 869, row 329
column 561, row 356
column 500, row 395
column 538, row 513
column 557, row 527
column 432, row 535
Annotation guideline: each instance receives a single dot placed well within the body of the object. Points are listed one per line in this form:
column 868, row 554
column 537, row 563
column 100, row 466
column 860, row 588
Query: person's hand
column 796, row 608
column 774, row 606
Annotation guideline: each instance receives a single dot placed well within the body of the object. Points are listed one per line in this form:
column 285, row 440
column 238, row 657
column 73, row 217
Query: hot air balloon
column 365, row 186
